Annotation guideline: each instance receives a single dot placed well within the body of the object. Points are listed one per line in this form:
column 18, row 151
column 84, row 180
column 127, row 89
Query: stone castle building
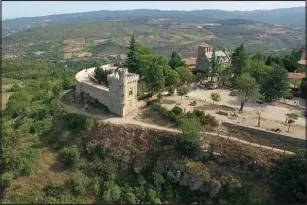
column 121, row 94
column 204, row 56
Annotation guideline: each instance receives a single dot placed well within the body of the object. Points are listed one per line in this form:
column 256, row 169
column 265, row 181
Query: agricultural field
column 106, row 38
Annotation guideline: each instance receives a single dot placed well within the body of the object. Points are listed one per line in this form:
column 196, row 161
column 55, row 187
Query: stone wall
column 265, row 137
column 100, row 93
column 121, row 95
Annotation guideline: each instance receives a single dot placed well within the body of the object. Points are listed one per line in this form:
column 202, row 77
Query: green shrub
column 143, row 96
column 187, row 148
column 177, row 110
column 159, row 97
column 162, row 110
column 7, row 179
column 130, row 198
column 70, row 157
column 171, row 90
column 152, row 102
column 205, row 119
column 22, row 163
column 233, row 93
column 209, row 120
column 15, row 88
column 173, row 116
column 79, row 183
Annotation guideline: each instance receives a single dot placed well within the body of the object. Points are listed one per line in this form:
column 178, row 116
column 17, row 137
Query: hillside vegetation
column 54, row 156
column 288, row 17
column 96, row 39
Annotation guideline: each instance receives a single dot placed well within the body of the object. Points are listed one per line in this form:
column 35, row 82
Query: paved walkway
column 130, row 121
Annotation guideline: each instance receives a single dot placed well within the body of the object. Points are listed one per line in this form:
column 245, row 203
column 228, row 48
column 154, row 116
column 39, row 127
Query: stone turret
column 121, row 94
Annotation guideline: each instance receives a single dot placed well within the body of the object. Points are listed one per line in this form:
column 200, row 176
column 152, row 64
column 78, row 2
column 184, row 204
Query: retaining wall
column 265, row 137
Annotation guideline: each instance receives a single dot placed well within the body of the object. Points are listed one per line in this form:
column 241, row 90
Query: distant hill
column 293, row 17
column 165, row 36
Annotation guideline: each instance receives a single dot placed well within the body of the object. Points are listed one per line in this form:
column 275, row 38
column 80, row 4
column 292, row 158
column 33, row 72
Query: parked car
column 212, row 86
column 202, row 85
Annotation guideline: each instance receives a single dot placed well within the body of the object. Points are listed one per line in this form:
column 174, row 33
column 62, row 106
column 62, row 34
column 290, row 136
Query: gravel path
column 130, row 121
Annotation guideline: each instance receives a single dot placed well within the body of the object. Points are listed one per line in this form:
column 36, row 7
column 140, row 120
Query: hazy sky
column 35, row 8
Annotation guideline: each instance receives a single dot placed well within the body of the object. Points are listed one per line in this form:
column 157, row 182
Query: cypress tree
column 132, row 57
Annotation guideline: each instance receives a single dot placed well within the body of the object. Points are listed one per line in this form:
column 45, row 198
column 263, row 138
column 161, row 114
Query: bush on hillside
column 70, row 157
column 177, row 110
column 7, row 179
column 171, row 90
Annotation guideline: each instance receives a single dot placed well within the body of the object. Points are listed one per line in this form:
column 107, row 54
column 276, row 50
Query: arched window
column 130, row 91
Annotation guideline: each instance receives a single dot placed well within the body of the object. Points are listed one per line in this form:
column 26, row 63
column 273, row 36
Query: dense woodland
column 34, row 121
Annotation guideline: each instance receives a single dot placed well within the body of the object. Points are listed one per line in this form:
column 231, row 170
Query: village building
column 303, row 59
column 191, row 63
column 204, row 56
column 121, row 94
column 296, row 79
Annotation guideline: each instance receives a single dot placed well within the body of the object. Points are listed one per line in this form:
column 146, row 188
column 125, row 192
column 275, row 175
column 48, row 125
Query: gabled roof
column 218, row 54
column 296, row 75
column 190, row 61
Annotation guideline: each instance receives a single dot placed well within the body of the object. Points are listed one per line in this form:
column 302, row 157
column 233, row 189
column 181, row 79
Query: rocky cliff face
column 220, row 166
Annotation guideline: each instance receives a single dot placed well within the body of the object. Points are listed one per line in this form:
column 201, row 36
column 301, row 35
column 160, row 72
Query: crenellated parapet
column 121, row 95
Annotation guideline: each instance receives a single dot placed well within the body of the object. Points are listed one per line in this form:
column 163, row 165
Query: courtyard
column 272, row 116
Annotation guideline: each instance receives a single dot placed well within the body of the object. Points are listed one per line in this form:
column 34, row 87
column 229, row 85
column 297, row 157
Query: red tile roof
column 190, row 61
column 296, row 75
column 303, row 62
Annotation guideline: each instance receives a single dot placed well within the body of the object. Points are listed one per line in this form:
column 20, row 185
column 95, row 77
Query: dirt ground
column 272, row 117
column 67, row 55
column 5, row 99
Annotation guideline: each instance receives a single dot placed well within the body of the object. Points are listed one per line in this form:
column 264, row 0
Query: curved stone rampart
column 121, row 95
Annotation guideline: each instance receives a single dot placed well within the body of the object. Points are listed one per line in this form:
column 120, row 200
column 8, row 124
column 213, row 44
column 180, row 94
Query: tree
column 290, row 63
column 159, row 97
column 291, row 118
column 199, row 77
column 155, row 79
column 215, row 97
column 132, row 61
column 289, row 178
column 101, row 75
column 303, row 88
column 258, row 57
column 275, row 84
column 130, row 198
column 172, row 78
column 247, row 88
column 213, row 65
column 269, row 60
column 224, row 73
column 143, row 50
column 238, row 60
column 257, row 69
column 146, row 59
column 289, row 124
column 190, row 128
column 171, row 90
column 202, row 62
column 258, row 111
column 182, row 90
column 185, row 74
column 176, row 61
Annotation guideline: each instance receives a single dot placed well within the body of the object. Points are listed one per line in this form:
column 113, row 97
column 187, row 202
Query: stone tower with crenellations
column 122, row 91
column 121, row 94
